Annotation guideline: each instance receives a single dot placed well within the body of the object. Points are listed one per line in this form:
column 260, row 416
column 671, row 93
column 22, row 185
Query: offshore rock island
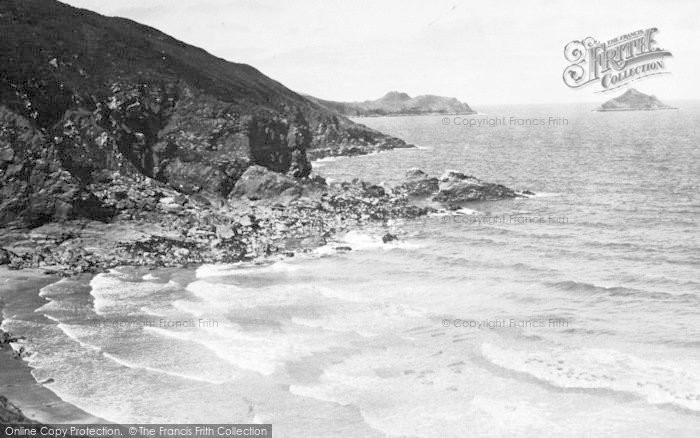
column 633, row 100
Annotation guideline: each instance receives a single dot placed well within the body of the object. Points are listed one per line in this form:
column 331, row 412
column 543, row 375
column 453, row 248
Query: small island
column 633, row 100
column 396, row 103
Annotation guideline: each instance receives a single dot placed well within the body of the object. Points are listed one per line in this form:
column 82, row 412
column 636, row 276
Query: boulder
column 4, row 257
column 388, row 237
column 259, row 182
column 372, row 190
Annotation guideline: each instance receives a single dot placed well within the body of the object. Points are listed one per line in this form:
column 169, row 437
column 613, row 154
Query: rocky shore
column 10, row 414
column 266, row 215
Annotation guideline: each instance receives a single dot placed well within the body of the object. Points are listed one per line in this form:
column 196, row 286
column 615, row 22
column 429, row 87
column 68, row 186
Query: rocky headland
column 633, row 100
column 120, row 145
column 83, row 96
column 396, row 103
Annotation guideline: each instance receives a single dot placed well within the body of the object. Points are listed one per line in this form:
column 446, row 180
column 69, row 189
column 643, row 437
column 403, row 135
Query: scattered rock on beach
column 388, row 237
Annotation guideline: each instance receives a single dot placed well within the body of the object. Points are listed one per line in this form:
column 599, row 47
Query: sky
column 481, row 52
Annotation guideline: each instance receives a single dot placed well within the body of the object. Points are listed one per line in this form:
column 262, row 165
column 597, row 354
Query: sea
column 572, row 312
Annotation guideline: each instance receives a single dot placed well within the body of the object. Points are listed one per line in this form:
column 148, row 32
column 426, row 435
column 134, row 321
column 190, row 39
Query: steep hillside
column 396, row 103
column 86, row 100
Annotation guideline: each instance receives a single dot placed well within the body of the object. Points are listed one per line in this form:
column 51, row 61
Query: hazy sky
column 481, row 52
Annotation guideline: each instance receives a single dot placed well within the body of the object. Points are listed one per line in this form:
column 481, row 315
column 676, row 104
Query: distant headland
column 397, row 103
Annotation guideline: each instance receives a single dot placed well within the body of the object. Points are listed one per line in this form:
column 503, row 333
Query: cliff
column 90, row 104
column 633, row 100
column 395, row 103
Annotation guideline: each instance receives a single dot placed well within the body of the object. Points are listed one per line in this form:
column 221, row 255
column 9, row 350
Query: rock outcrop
column 418, row 183
column 452, row 188
column 456, row 187
column 83, row 96
column 259, row 182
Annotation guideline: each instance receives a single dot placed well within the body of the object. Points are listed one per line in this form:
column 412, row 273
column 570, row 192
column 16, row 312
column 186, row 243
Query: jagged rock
column 4, row 257
column 388, row 237
column 298, row 141
column 258, row 182
column 417, row 183
column 415, row 173
column 456, row 187
column 372, row 190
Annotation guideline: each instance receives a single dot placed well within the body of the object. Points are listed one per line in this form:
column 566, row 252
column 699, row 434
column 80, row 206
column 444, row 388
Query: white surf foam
column 113, row 293
column 659, row 382
column 544, row 195
column 261, row 351
column 225, row 270
column 72, row 332
column 359, row 241
column 127, row 364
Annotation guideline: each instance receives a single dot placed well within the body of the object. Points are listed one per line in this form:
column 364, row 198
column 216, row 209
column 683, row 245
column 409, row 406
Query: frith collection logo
column 616, row 62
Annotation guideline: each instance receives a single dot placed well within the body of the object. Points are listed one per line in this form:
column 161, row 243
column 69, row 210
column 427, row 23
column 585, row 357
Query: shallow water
column 572, row 312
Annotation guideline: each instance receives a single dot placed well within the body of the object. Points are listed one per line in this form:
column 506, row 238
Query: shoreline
column 186, row 232
column 27, row 400
column 273, row 216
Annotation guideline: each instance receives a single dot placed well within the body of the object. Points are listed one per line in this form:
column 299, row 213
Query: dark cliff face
column 35, row 187
column 83, row 95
